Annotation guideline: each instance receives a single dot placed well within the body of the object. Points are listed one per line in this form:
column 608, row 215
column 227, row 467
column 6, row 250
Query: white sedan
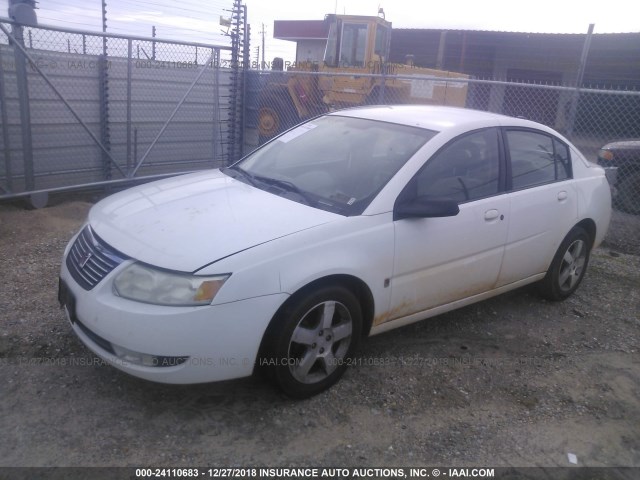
column 346, row 226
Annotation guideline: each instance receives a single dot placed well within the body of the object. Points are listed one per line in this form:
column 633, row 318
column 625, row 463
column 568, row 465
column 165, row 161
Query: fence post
column 5, row 133
column 153, row 43
column 576, row 95
column 246, row 40
column 237, row 89
column 215, row 65
column 381, row 92
column 129, row 61
column 25, row 111
column 105, row 137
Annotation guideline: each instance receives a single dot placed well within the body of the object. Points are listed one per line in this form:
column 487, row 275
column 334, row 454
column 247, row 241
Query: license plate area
column 67, row 300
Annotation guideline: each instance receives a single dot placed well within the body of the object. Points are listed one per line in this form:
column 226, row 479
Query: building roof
column 319, row 30
column 300, row 29
column 613, row 60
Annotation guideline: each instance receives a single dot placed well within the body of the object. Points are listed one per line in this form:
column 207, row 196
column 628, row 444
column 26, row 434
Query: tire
column 275, row 115
column 568, row 266
column 312, row 340
column 629, row 194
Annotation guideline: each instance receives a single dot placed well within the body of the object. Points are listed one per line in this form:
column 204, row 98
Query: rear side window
column 563, row 160
column 536, row 159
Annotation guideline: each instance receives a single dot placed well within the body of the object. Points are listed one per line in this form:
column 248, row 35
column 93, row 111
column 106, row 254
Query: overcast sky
column 198, row 20
column 547, row 16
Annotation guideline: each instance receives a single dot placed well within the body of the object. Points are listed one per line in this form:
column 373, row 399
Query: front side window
column 334, row 163
column 354, row 45
column 536, row 158
column 466, row 169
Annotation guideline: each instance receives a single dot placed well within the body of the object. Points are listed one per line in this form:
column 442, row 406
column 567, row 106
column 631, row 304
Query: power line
column 54, row 21
column 52, row 10
column 180, row 8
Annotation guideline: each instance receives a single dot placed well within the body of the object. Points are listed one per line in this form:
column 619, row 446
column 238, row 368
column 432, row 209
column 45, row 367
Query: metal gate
column 82, row 108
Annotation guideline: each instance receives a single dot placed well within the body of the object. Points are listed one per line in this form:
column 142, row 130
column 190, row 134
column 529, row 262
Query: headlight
column 146, row 284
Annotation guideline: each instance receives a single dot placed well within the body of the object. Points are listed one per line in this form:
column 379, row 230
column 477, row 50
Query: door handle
column 562, row 196
column 491, row 214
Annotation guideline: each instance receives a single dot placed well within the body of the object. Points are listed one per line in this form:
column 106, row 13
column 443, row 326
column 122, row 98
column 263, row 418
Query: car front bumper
column 164, row 344
column 612, row 175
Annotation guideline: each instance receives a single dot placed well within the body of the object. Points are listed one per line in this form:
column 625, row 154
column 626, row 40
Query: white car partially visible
column 348, row 225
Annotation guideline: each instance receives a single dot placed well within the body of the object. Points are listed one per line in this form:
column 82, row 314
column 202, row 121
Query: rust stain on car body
column 407, row 307
column 396, row 312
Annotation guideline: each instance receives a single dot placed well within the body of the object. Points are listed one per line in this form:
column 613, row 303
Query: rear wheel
column 312, row 340
column 568, row 266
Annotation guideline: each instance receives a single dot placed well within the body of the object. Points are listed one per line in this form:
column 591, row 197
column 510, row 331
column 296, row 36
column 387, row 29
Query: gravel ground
column 512, row 381
column 624, row 233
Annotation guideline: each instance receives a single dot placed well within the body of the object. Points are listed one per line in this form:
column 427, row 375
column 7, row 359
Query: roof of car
column 432, row 117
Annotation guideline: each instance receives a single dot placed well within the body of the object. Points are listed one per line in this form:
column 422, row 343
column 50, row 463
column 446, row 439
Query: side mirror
column 426, row 207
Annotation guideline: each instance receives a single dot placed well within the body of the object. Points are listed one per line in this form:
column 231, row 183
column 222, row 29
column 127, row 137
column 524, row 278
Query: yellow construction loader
column 356, row 46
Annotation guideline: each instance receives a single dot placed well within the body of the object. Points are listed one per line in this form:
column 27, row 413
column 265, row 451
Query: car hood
column 623, row 145
column 184, row 223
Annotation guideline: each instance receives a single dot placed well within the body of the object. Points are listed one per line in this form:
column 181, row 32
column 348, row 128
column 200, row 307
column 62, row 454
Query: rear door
column 543, row 202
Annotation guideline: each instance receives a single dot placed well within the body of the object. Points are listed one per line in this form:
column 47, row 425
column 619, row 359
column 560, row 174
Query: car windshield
column 335, row 163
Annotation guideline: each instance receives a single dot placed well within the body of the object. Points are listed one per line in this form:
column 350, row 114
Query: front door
column 441, row 260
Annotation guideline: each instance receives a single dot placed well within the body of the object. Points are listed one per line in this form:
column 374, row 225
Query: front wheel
column 568, row 266
column 313, row 339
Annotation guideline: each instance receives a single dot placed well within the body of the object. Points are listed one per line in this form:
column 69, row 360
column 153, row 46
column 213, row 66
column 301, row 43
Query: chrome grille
column 90, row 259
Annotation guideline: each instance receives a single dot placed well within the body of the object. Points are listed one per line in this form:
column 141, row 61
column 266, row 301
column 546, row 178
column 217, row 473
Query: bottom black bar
column 330, row 473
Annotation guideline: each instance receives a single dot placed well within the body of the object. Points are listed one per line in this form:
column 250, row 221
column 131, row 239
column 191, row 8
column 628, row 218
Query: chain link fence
column 82, row 109
column 590, row 118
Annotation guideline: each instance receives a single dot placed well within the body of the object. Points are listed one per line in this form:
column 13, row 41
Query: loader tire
column 276, row 114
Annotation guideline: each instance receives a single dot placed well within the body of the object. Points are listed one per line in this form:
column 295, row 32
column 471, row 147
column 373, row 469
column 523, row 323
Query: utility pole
column 573, row 109
column 257, row 61
column 262, row 32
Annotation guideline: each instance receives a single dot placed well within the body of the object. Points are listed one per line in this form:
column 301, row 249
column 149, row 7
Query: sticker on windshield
column 287, row 137
column 343, row 198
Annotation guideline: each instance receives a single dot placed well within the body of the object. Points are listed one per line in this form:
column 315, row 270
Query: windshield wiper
column 285, row 185
column 243, row 173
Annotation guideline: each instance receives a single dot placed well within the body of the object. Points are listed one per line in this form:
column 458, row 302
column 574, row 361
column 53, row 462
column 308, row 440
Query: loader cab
column 359, row 42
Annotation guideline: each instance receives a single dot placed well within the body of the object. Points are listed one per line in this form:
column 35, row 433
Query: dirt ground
column 512, row 381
